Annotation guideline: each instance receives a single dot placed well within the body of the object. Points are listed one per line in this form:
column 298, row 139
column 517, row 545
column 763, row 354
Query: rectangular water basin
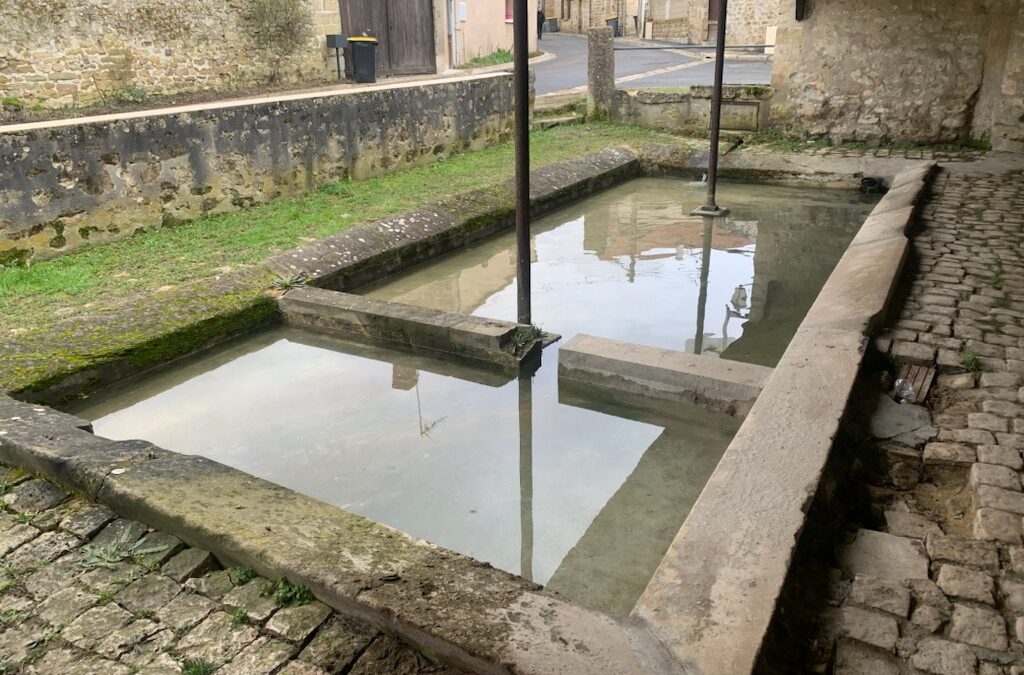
column 577, row 488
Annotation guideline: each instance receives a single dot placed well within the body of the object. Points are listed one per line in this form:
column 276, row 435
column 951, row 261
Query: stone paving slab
column 151, row 620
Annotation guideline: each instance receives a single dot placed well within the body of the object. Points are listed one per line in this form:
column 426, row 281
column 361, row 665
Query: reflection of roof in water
column 636, row 239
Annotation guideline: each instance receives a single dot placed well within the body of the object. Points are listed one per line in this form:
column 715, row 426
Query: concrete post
column 600, row 73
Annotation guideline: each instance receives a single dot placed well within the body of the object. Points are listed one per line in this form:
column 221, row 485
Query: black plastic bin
column 363, row 56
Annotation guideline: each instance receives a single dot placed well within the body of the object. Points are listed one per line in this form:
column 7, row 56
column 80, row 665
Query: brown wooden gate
column 405, row 29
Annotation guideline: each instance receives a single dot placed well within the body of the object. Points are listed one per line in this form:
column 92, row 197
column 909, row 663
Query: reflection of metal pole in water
column 711, row 206
column 526, row 475
column 521, row 86
column 702, row 298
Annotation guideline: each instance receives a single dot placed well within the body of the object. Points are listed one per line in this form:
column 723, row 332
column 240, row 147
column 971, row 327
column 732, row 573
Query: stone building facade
column 61, row 53
column 576, row 16
column 912, row 71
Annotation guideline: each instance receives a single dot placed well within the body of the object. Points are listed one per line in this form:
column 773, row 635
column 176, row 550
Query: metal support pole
column 710, row 206
column 521, row 83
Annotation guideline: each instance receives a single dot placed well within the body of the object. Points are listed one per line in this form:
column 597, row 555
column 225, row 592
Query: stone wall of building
column 748, row 20
column 63, row 185
column 1007, row 131
column 914, row 71
column 63, row 53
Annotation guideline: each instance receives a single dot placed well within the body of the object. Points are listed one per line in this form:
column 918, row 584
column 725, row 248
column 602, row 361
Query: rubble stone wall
column 925, row 71
column 62, row 53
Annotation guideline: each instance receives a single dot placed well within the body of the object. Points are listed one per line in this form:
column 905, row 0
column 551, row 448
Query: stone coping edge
column 445, row 604
column 712, row 598
column 727, row 386
column 492, row 341
column 324, row 92
column 370, row 252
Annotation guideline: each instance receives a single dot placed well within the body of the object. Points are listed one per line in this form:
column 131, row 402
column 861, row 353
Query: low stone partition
column 99, row 179
column 688, row 110
column 713, row 597
column 501, row 343
column 727, row 386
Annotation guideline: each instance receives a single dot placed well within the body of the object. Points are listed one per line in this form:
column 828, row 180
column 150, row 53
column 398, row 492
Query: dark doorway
column 405, row 29
column 712, row 34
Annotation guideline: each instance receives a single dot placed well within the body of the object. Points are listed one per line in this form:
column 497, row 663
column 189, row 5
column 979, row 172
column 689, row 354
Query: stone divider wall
column 688, row 110
column 66, row 184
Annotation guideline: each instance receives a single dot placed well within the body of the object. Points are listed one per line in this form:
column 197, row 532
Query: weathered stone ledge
column 370, row 252
column 446, row 605
column 713, row 596
column 115, row 340
column 502, row 343
column 728, row 386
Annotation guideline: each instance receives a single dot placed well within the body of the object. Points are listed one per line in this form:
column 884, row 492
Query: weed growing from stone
column 106, row 596
column 522, row 337
column 997, row 274
column 287, row 594
column 240, row 576
column 197, row 667
column 288, row 283
column 970, row 361
column 38, row 647
column 239, row 617
column 8, row 616
column 25, row 518
column 121, row 549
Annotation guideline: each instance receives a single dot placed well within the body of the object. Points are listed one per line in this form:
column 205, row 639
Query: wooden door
column 405, row 29
column 411, row 33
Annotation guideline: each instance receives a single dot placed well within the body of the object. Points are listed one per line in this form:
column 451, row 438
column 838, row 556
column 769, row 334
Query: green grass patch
column 287, row 594
column 499, row 55
column 970, row 360
column 33, row 296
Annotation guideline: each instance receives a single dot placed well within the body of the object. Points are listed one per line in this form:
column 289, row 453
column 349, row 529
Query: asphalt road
column 568, row 69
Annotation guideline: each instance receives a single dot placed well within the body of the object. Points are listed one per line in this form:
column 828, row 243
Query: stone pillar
column 600, row 73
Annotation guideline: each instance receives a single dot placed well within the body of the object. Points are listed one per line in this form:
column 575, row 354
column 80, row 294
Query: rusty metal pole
column 521, row 22
column 711, row 206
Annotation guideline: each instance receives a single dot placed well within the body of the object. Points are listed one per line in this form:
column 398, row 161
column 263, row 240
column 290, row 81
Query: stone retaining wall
column 65, row 184
column 711, row 601
column 59, row 53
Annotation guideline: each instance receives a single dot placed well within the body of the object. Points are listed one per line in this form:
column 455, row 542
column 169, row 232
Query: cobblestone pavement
column 930, row 575
column 83, row 591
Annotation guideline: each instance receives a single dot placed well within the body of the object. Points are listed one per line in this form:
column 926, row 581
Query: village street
column 638, row 68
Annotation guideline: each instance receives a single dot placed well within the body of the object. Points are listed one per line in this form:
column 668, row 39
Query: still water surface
column 573, row 487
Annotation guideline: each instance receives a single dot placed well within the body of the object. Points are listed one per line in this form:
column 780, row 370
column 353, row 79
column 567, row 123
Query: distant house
column 428, row 36
column 576, row 16
column 750, row 22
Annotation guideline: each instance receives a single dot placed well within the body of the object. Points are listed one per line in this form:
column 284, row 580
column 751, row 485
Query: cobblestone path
column 930, row 578
column 83, row 591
